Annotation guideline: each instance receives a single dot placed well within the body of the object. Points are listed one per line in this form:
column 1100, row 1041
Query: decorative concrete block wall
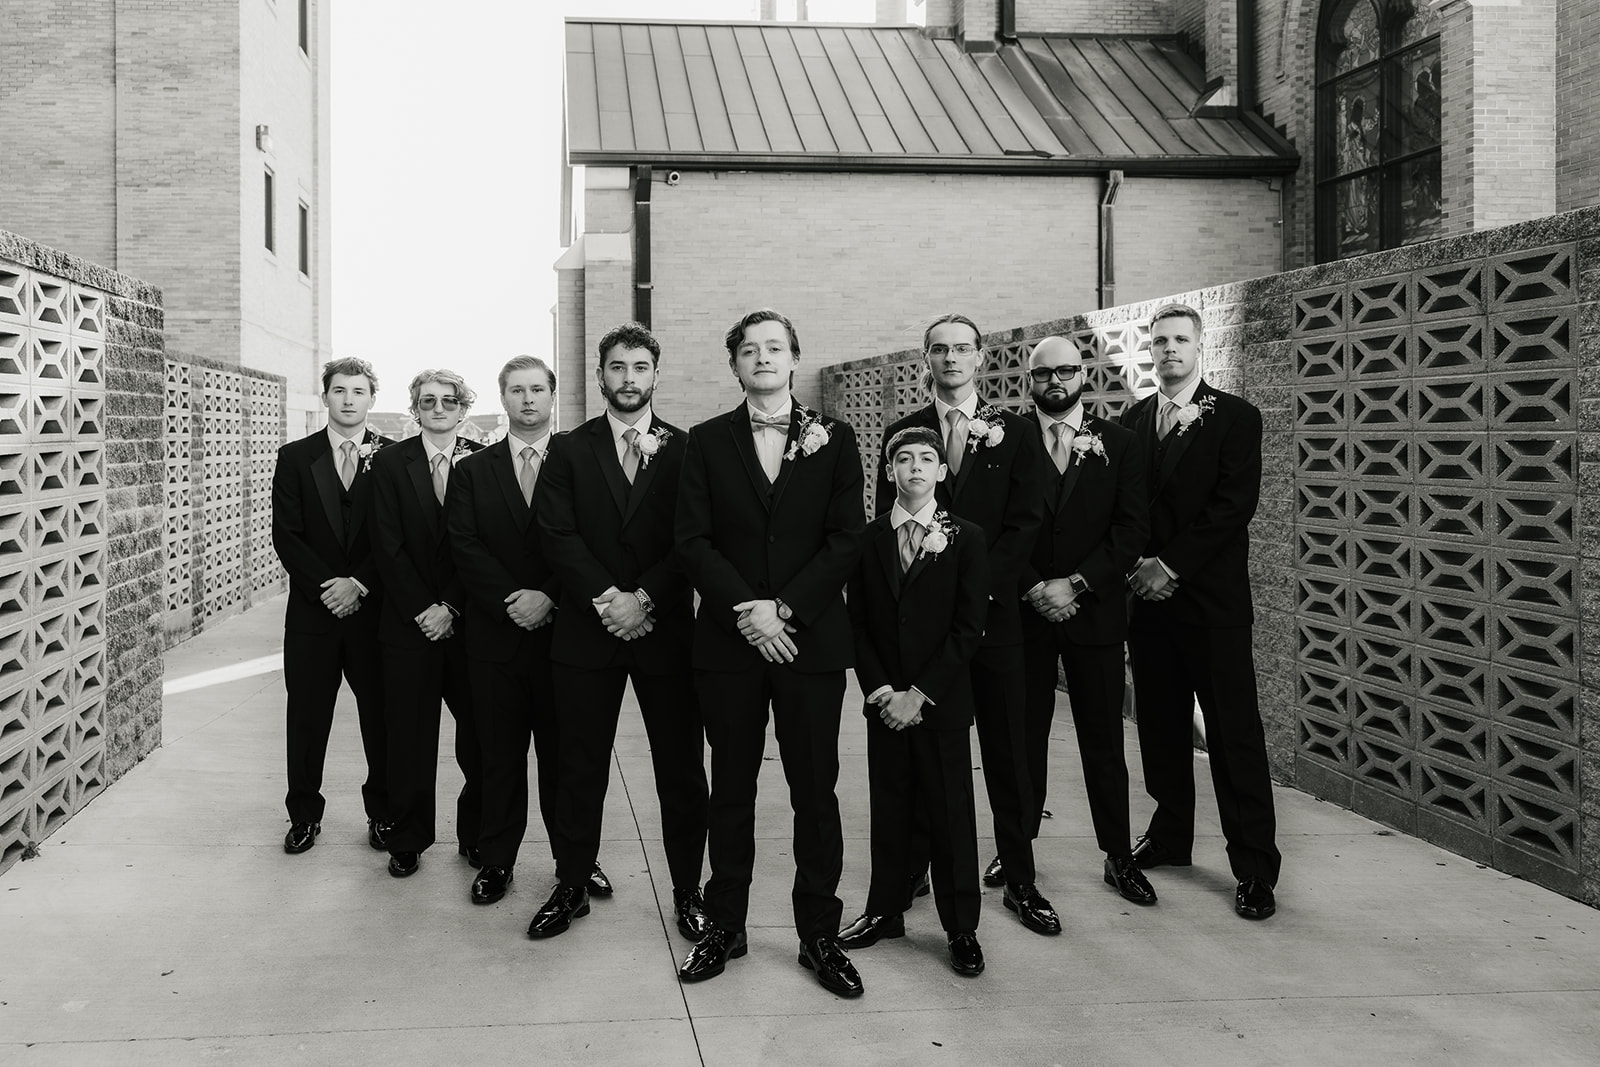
column 1426, row 555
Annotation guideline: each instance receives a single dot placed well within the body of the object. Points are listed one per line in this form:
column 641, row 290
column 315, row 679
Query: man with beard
column 1096, row 519
column 608, row 498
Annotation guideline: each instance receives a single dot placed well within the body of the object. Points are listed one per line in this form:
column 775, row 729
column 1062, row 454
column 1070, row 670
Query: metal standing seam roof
column 824, row 97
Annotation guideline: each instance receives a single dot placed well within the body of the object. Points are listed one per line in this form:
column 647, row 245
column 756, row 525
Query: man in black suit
column 321, row 494
column 607, row 503
column 994, row 459
column 424, row 651
column 1191, row 631
column 769, row 512
column 511, row 597
column 1096, row 521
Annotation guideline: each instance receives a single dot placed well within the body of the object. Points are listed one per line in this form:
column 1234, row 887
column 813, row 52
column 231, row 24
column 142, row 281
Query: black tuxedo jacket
column 742, row 538
column 1096, row 521
column 921, row 628
column 320, row 530
column 600, row 532
column 1203, row 484
column 495, row 544
column 997, row 489
column 409, row 540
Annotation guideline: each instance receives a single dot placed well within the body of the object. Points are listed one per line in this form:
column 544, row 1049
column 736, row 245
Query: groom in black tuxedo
column 769, row 515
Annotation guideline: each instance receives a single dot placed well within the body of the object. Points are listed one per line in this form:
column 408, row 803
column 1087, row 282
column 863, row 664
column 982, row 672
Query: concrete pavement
column 164, row 924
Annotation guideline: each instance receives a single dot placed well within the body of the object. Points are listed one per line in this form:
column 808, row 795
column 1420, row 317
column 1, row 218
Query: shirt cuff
column 1170, row 572
column 359, row 587
column 872, row 697
column 1036, row 587
column 923, row 695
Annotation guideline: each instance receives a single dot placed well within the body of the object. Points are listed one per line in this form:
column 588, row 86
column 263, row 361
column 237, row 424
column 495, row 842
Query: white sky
column 446, row 175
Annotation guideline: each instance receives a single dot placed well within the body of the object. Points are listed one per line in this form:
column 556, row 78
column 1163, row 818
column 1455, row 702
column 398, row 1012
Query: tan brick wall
column 1092, row 16
column 1187, row 16
column 1513, row 120
column 1173, row 234
column 1577, row 104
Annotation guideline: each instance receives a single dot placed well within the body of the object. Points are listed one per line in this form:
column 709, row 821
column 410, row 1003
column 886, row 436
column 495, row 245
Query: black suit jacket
column 997, row 489
column 741, row 538
column 495, row 544
column 319, row 530
column 409, row 540
column 921, row 629
column 600, row 531
column 1203, row 485
column 1096, row 520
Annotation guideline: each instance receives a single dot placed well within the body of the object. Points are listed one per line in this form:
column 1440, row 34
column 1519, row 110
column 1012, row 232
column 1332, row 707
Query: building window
column 1378, row 176
column 305, row 26
column 267, row 215
column 305, row 239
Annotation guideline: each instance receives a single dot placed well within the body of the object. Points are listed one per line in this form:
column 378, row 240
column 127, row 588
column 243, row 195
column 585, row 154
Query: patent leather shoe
column 835, row 973
column 868, row 930
column 1124, row 875
column 301, row 836
column 599, row 885
column 711, row 954
column 1149, row 852
column 404, row 864
column 689, row 908
column 994, row 875
column 378, row 833
column 567, row 902
column 473, row 856
column 1032, row 908
column 491, row 884
column 966, row 955
column 1254, row 900
column 919, row 886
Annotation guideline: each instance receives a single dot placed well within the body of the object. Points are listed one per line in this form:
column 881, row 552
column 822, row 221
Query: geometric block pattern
column 1436, row 447
column 53, row 553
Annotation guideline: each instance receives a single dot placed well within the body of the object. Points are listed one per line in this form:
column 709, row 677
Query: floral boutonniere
column 1089, row 444
column 460, row 450
column 1195, row 412
column 939, row 534
column 813, row 434
column 987, row 427
column 647, row 445
column 366, row 450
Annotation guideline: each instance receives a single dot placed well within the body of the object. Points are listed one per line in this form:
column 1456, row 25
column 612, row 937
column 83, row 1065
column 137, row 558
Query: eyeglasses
column 449, row 403
column 1042, row 375
column 945, row 350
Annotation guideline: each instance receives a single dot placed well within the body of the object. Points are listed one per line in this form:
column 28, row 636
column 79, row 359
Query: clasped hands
column 759, row 624
column 1054, row 599
column 530, row 609
column 1149, row 579
column 342, row 596
column 899, row 709
column 436, row 622
column 622, row 614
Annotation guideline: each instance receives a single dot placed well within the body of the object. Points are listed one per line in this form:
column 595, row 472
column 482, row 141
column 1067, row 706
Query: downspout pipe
column 1108, row 259
column 642, row 285
column 1008, row 20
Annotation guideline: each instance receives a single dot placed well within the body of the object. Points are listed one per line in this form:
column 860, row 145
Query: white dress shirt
column 770, row 443
column 619, row 428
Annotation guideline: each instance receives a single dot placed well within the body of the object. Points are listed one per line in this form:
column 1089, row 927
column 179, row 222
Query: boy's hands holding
column 900, row 709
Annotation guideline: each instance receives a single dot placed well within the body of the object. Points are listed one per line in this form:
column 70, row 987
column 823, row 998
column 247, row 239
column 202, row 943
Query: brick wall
column 1092, row 16
column 1513, row 112
column 1577, row 104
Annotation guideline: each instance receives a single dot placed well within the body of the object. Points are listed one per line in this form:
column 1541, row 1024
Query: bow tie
column 759, row 422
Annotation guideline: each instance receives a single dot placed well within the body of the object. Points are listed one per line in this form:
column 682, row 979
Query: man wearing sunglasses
column 424, row 652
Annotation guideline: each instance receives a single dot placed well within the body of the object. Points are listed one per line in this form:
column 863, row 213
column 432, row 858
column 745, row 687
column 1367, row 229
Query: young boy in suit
column 917, row 605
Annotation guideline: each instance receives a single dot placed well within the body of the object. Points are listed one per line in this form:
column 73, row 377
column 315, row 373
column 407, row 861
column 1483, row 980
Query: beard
column 1054, row 402
column 625, row 404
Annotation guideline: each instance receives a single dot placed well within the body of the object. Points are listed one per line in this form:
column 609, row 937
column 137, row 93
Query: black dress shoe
column 1254, row 900
column 599, row 884
column 966, row 955
column 918, row 887
column 301, row 836
column 689, row 907
column 994, row 876
column 474, row 857
column 833, row 968
column 404, row 864
column 567, row 902
column 712, row 953
column 378, row 833
column 1032, row 908
column 491, row 884
column 868, row 930
column 1123, row 873
column 1149, row 852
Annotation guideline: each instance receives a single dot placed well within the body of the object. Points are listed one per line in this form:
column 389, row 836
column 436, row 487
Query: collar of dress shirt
column 968, row 407
column 787, row 408
column 430, row 450
column 335, row 438
column 1185, row 395
column 519, row 443
column 899, row 516
column 618, row 427
column 1072, row 417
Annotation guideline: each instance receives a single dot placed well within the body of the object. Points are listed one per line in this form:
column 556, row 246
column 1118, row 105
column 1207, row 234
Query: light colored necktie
column 955, row 442
column 630, row 454
column 1060, row 447
column 439, row 476
column 530, row 473
column 910, row 543
column 347, row 465
column 1169, row 415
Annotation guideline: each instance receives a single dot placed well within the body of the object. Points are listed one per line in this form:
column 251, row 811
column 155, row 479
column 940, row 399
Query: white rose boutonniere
column 460, row 450
column 1089, row 444
column 647, row 445
column 937, row 539
column 366, row 450
column 1195, row 412
column 813, row 435
column 987, row 427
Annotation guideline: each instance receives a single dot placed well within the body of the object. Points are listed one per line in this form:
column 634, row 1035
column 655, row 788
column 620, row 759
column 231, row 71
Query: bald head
column 1055, row 375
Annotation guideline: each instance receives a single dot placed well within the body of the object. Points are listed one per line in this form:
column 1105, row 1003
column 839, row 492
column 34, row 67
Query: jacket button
column 771, row 538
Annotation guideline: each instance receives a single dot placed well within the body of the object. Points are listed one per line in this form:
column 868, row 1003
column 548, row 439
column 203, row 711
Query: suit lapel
column 644, row 476
column 889, row 557
column 1177, row 443
column 504, row 467
column 744, row 443
column 921, row 563
column 605, row 454
column 358, row 501
column 786, row 466
column 1075, row 462
column 422, row 484
column 324, row 473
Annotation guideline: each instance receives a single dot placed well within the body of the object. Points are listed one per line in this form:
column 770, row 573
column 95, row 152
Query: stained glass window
column 1378, row 174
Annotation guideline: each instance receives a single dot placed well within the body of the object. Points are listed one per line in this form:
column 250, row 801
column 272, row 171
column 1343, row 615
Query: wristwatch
column 785, row 612
column 645, row 602
column 1079, row 586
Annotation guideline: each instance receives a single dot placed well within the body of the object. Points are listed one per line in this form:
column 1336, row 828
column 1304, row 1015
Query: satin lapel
column 505, row 472
column 358, row 501
column 786, row 466
column 1075, row 464
column 744, row 443
column 605, row 453
column 889, row 556
column 422, row 484
column 324, row 473
column 1179, row 444
column 642, row 479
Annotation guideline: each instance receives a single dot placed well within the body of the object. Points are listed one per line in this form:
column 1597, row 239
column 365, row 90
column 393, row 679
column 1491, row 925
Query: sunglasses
column 449, row 403
column 1042, row 375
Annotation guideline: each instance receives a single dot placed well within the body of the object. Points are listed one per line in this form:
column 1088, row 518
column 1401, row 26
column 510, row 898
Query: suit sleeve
column 720, row 584
column 484, row 577
column 1105, row 567
column 302, row 562
column 564, row 546
column 1022, row 517
column 400, row 578
column 966, row 627
column 1232, row 502
column 813, row 588
column 870, row 672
